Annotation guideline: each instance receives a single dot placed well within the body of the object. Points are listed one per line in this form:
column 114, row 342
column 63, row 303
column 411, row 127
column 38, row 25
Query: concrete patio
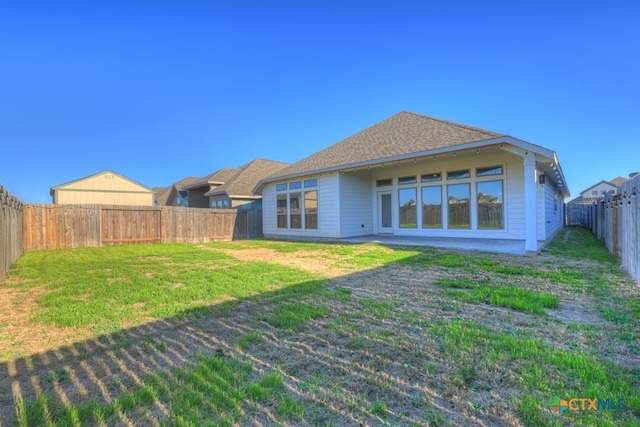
column 486, row 245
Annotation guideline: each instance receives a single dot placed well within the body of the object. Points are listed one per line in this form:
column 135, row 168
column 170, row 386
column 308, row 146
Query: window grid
column 297, row 208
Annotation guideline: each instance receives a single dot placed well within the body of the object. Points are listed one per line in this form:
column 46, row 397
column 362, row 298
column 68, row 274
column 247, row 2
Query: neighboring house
column 237, row 191
column 105, row 187
column 174, row 195
column 196, row 191
column 414, row 175
column 597, row 190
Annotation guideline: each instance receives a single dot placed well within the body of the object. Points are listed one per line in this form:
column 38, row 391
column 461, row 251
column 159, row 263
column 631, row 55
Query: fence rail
column 615, row 219
column 11, row 217
column 72, row 226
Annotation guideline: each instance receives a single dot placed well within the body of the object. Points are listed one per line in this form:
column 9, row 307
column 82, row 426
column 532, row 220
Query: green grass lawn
column 281, row 333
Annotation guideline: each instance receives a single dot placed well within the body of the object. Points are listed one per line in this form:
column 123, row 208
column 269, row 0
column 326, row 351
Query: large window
column 311, row 209
column 282, row 211
column 408, row 208
column 432, row 207
column 490, row 206
column 295, row 209
column 458, row 201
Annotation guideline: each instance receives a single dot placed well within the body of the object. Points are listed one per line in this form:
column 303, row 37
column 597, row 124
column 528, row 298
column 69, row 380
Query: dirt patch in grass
column 316, row 262
column 570, row 311
column 20, row 336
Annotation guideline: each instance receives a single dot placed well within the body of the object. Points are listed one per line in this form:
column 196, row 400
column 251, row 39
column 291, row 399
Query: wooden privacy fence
column 578, row 214
column 615, row 220
column 10, row 230
column 72, row 226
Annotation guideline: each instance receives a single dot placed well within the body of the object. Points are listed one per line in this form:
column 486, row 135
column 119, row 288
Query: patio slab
column 487, row 245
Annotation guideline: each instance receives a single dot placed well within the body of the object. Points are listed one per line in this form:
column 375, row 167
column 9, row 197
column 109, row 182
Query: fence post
column 11, row 230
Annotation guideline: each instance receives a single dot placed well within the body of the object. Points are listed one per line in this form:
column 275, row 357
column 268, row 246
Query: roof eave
column 244, row 196
column 201, row 184
column 214, row 193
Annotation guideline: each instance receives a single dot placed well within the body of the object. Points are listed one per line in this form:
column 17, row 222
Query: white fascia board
column 527, row 146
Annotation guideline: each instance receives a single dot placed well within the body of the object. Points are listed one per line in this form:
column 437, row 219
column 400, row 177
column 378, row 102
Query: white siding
column 269, row 211
column 515, row 211
column 549, row 220
column 328, row 209
column 554, row 217
column 356, row 204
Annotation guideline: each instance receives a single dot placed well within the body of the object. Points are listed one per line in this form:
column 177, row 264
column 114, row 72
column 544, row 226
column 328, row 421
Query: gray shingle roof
column 186, row 181
column 219, row 176
column 162, row 194
column 165, row 195
column 618, row 181
column 247, row 177
column 402, row 134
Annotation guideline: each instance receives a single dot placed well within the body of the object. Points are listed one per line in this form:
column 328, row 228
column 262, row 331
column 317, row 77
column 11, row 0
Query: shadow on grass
column 210, row 364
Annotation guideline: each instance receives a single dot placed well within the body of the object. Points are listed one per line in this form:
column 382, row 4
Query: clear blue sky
column 160, row 90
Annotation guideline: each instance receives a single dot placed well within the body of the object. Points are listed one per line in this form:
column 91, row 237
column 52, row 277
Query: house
column 106, row 187
column 196, row 190
column 174, row 195
column 415, row 175
column 237, row 191
column 597, row 190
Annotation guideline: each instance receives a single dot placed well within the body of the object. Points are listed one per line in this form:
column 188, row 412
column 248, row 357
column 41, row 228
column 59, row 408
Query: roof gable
column 401, row 134
column 92, row 182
